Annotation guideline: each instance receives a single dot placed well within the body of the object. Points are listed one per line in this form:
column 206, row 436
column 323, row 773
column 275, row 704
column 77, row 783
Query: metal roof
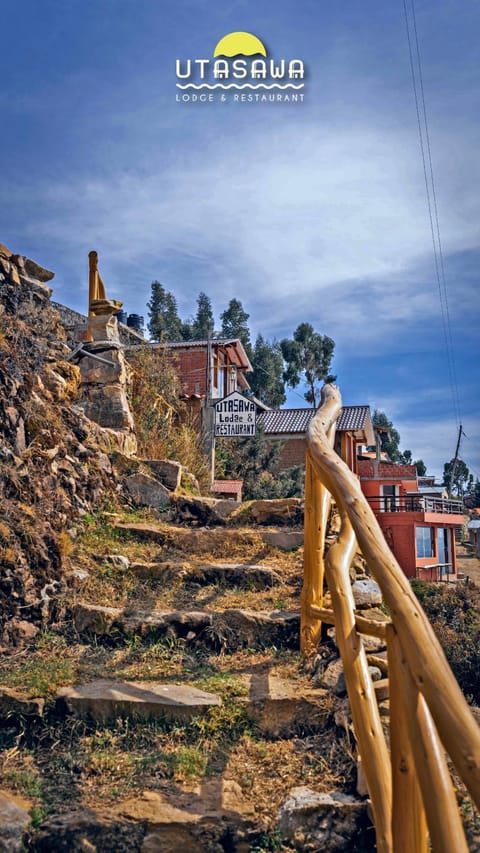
column 241, row 359
column 287, row 421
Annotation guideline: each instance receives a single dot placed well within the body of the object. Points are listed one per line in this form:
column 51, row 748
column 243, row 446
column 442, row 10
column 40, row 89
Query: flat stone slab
column 103, row 700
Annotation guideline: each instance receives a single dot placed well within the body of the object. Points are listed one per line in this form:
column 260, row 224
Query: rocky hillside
column 53, row 464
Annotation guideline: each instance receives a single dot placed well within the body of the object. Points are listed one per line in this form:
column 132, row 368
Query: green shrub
column 454, row 612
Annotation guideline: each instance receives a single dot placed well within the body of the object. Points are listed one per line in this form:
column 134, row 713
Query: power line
column 425, row 148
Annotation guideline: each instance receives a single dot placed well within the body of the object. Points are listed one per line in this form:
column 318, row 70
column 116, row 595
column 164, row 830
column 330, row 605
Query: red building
column 225, row 372
column 354, row 429
column 419, row 529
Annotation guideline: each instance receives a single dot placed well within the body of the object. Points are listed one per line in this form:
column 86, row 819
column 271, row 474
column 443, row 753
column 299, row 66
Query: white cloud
column 325, row 220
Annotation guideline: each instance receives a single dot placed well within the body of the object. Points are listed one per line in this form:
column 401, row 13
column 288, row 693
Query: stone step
column 226, row 629
column 212, row 511
column 205, row 540
column 215, row 816
column 284, row 708
column 103, row 700
column 244, row 575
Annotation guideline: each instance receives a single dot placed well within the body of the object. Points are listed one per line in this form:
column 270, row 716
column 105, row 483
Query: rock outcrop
column 54, row 462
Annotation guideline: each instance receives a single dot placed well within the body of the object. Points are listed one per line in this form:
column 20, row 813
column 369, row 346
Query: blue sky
column 309, row 211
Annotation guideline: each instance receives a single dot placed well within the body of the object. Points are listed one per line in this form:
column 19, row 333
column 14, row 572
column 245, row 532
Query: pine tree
column 266, row 380
column 203, row 324
column 164, row 323
column 235, row 324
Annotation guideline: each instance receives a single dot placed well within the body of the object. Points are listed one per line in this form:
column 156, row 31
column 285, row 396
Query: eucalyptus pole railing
column 411, row 788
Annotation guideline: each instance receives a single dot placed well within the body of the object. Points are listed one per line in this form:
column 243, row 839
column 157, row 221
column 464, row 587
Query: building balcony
column 417, row 504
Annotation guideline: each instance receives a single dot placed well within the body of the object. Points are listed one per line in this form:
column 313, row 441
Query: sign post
column 235, row 417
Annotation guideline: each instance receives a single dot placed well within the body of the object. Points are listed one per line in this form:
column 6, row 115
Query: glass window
column 424, row 539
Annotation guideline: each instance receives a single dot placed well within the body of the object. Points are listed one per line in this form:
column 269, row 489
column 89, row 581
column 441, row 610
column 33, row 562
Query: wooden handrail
column 371, row 627
column 419, row 649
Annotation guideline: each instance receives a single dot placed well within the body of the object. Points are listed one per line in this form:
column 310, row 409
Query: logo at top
column 240, row 61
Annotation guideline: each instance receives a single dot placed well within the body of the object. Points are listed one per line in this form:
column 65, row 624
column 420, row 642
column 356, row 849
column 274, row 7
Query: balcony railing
column 415, row 503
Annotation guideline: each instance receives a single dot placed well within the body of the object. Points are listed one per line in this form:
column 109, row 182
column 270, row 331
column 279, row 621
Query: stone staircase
column 182, row 583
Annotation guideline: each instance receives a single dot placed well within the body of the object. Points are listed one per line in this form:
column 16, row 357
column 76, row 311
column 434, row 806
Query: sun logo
column 240, row 62
column 235, row 44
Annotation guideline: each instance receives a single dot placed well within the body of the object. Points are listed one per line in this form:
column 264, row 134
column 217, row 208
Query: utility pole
column 208, row 430
column 455, row 460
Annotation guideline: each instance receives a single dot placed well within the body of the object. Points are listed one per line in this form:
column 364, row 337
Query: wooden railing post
column 365, row 715
column 427, row 663
column 409, row 827
column 427, row 754
column 317, row 508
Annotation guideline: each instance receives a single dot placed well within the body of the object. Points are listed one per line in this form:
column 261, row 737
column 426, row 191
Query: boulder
column 34, row 270
column 334, row 679
column 366, row 593
column 313, row 821
column 103, row 700
column 167, row 471
column 14, row 822
column 145, row 491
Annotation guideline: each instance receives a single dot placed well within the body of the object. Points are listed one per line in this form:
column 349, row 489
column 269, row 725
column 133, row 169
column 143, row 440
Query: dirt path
column 468, row 564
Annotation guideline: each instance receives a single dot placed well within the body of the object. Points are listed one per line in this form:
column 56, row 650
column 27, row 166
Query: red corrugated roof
column 228, row 486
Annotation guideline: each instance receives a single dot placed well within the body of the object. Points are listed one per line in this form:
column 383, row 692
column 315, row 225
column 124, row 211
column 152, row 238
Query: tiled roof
column 286, row 421
column 353, row 418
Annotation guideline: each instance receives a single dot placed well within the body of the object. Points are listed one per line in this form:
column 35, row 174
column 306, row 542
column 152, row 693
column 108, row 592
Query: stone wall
column 72, row 319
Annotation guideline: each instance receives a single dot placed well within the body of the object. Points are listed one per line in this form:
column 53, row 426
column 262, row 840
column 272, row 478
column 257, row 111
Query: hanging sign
column 235, row 416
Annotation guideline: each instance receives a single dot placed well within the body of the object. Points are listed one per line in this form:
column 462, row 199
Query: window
column 424, row 539
column 390, row 496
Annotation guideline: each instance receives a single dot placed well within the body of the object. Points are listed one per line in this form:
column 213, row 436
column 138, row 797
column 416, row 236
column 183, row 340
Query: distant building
column 418, row 521
column 354, row 428
column 226, row 372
